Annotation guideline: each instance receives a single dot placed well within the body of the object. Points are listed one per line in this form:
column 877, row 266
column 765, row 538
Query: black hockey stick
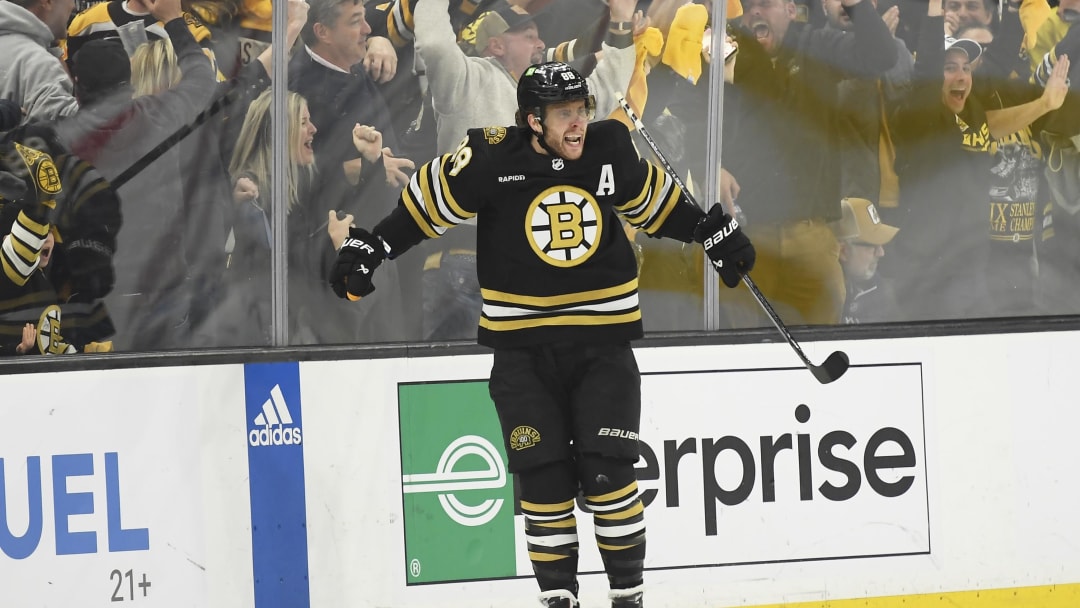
column 835, row 364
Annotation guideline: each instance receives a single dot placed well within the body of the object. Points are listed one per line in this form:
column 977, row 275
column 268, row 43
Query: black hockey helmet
column 547, row 83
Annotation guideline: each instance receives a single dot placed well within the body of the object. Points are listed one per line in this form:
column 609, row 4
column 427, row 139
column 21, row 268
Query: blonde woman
column 309, row 247
column 154, row 68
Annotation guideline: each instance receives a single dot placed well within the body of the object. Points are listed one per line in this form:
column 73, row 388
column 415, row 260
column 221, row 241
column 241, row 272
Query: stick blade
column 832, row 368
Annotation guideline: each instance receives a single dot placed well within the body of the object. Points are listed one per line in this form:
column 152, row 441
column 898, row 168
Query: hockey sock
column 547, row 502
column 611, row 493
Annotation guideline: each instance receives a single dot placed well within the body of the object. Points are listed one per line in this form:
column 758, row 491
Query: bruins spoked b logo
column 563, row 225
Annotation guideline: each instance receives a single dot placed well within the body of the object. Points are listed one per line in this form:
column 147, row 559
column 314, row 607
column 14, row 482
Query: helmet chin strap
column 543, row 143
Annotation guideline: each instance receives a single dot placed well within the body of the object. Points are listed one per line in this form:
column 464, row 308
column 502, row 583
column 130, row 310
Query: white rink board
column 991, row 502
column 175, row 477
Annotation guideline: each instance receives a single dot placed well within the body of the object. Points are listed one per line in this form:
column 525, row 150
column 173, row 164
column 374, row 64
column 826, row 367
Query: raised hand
column 368, row 141
column 380, row 61
column 397, row 169
column 165, row 10
column 1057, row 86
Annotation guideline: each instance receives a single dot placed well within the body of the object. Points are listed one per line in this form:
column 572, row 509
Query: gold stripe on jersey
column 649, row 209
column 36, row 300
column 399, row 23
column 454, row 208
column 434, row 209
column 628, row 288
column 507, row 312
column 431, row 197
column 416, row 211
column 561, row 320
column 445, row 205
column 19, row 253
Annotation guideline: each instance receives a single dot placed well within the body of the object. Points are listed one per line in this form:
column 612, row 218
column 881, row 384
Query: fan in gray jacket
column 152, row 298
column 31, row 74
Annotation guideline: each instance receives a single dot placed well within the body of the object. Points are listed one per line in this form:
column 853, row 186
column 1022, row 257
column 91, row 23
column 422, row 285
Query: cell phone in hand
column 729, row 50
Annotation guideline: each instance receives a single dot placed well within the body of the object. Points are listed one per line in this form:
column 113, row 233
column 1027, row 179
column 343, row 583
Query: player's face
column 564, row 128
column 859, row 259
column 957, row 84
column 769, row 21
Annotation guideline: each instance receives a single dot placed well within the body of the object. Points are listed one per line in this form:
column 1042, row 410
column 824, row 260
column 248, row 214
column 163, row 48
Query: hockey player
column 560, row 305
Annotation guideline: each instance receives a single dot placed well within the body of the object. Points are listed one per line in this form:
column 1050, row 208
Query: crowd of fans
column 891, row 160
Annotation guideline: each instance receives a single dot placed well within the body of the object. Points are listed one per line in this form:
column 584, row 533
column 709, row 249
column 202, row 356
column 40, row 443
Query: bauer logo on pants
column 457, row 494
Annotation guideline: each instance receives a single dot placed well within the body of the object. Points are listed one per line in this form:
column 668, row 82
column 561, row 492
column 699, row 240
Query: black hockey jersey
column 553, row 260
column 85, row 223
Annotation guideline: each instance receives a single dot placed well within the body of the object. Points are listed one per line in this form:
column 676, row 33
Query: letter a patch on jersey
column 607, row 181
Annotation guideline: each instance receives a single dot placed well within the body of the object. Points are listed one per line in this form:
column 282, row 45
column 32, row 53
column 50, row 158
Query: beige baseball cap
column 861, row 221
column 499, row 21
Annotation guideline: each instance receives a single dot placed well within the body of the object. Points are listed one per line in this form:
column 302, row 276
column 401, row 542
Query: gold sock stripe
column 613, row 496
column 619, row 544
column 606, row 547
column 546, row 557
column 570, row 522
column 546, row 508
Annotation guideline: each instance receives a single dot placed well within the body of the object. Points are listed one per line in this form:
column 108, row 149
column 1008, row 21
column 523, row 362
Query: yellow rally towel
column 256, row 15
column 98, row 347
column 889, row 193
column 682, row 51
column 648, row 44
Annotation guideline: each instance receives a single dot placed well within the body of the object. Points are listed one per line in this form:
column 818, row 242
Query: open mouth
column 760, row 29
column 573, row 140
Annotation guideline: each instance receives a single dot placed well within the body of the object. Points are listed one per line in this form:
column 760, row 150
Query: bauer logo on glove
column 357, row 259
column 729, row 250
column 726, row 231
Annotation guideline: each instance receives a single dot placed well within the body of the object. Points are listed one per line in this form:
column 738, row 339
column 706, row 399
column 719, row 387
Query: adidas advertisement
column 782, row 469
column 274, row 425
column 279, row 544
column 458, row 497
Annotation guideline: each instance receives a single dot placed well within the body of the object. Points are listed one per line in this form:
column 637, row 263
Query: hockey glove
column 357, row 259
column 730, row 252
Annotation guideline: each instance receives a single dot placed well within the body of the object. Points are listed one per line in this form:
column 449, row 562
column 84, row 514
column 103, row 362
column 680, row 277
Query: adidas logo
column 273, row 420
